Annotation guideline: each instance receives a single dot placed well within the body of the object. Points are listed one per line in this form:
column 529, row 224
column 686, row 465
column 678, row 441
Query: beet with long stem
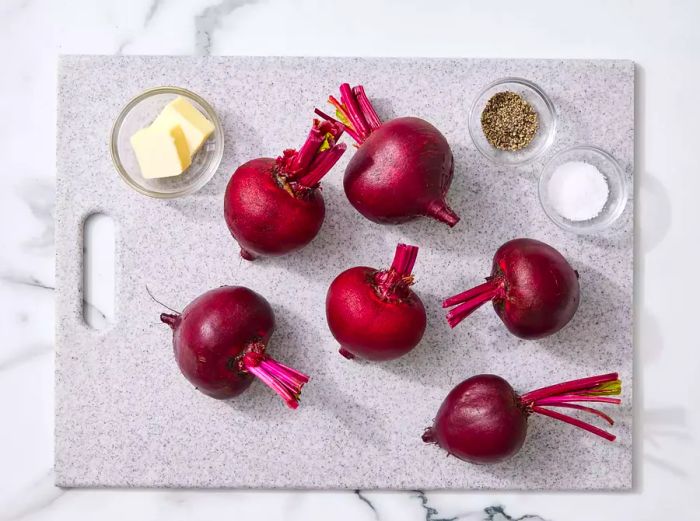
column 483, row 420
column 220, row 343
column 533, row 288
column 402, row 168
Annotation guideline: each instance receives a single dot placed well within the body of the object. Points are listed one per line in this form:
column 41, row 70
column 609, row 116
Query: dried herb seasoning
column 509, row 122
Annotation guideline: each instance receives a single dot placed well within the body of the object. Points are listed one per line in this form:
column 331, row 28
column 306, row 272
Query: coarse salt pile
column 577, row 191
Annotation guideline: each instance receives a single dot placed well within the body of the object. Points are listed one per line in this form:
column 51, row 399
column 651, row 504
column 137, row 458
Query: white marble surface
column 660, row 36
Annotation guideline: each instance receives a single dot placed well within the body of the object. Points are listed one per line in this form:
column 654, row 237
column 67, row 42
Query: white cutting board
column 126, row 417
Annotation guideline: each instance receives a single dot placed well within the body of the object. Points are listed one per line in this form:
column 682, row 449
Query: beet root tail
column 429, row 435
column 345, row 353
column 171, row 319
column 245, row 254
column 443, row 213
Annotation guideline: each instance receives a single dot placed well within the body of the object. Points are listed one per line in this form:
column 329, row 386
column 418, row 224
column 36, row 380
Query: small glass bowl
column 547, row 116
column 139, row 113
column 614, row 176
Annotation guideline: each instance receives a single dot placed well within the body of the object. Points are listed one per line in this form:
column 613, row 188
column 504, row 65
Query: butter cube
column 161, row 151
column 195, row 126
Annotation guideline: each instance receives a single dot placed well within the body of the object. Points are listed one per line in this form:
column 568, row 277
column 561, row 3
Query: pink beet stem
column 322, row 164
column 268, row 380
column 308, row 165
column 367, row 108
column 302, row 158
column 469, row 294
column 456, row 315
column 282, row 377
column 333, row 128
column 404, row 259
column 281, row 368
column 583, row 408
column 389, row 282
column 576, row 398
column 325, row 116
column 285, row 381
column 353, row 111
column 341, row 112
column 574, row 421
column 583, row 384
column 351, row 132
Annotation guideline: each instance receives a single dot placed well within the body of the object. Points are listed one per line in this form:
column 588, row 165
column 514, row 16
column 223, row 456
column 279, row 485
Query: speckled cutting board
column 126, row 417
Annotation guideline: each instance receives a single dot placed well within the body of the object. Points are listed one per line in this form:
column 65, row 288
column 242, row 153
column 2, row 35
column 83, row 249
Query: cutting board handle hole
column 98, row 270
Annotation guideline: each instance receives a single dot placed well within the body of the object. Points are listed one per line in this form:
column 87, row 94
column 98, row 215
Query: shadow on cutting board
column 602, row 314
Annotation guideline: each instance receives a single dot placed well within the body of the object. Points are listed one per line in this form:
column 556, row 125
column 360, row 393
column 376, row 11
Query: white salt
column 577, row 191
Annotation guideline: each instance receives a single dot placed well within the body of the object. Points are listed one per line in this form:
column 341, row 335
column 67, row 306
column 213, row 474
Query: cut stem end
column 354, row 113
column 284, row 380
column 569, row 395
column 469, row 301
column 395, row 282
column 304, row 168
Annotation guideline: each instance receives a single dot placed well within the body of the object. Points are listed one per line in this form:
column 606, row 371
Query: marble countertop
column 660, row 37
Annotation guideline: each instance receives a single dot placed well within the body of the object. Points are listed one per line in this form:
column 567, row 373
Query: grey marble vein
column 209, row 20
column 490, row 513
column 27, row 354
column 497, row 513
column 39, row 496
column 365, row 500
column 430, row 512
column 39, row 196
column 152, row 10
column 29, row 280
column 122, row 46
column 94, row 315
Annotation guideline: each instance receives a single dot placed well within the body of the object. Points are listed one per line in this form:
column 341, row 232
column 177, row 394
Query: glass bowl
column 614, row 176
column 547, row 118
column 139, row 113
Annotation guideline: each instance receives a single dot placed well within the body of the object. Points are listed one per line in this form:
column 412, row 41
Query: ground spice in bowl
column 509, row 122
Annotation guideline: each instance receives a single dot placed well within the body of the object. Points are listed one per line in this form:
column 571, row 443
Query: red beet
column 220, row 343
column 402, row 169
column 274, row 206
column 483, row 420
column 533, row 288
column 374, row 314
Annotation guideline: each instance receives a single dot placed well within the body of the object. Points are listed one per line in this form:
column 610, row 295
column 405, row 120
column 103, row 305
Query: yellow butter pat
column 182, row 113
column 161, row 151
